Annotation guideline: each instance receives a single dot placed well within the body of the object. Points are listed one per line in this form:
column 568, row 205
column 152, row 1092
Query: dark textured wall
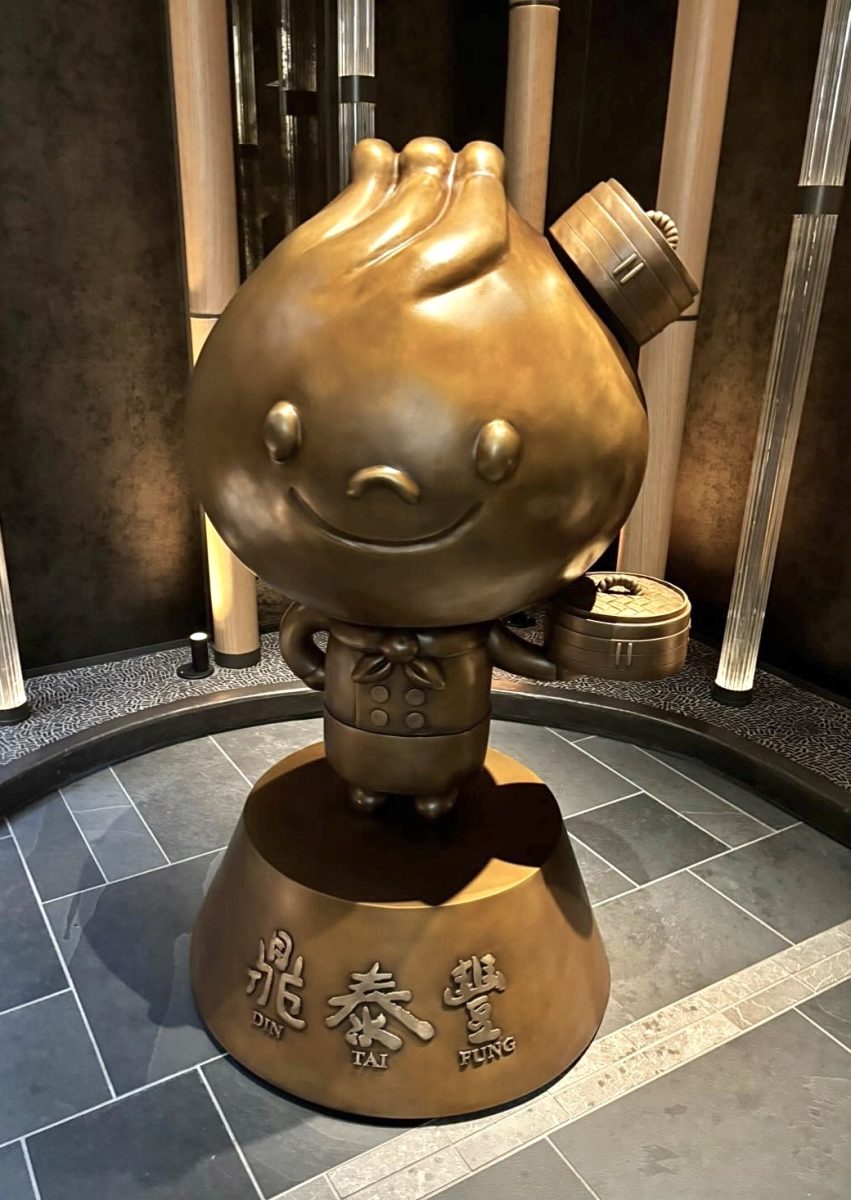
column 100, row 532
column 808, row 624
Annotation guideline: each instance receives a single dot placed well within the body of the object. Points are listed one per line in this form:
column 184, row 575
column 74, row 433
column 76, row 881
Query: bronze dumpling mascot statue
column 411, row 422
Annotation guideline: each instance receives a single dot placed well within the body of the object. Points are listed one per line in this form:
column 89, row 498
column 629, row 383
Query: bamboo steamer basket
column 619, row 626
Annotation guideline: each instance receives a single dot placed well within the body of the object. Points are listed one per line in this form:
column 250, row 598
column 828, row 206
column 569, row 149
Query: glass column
column 356, row 67
column 807, row 262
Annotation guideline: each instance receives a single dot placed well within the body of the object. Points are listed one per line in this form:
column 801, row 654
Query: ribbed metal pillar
column 356, row 67
column 820, row 187
column 13, row 698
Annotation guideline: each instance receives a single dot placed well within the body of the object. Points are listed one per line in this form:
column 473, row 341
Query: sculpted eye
column 497, row 451
column 282, row 431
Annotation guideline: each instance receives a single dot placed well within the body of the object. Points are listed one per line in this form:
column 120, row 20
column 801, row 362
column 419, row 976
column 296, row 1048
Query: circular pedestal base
column 393, row 967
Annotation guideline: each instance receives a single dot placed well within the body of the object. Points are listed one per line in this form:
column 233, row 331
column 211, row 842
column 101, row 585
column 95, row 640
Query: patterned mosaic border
column 806, row 728
column 423, row 1161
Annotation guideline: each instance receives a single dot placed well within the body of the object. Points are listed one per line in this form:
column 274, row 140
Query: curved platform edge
column 808, row 796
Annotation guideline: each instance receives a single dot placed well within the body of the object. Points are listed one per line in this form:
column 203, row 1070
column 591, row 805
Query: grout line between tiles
column 239, row 770
column 569, row 1164
column 597, row 854
column 178, row 862
column 604, row 804
column 239, row 1150
column 821, row 1028
column 86, row 841
column 101, row 808
column 291, row 1191
column 25, row 1150
column 38, row 1000
column 717, row 795
column 64, row 966
column 138, row 812
column 145, row 1087
column 770, row 928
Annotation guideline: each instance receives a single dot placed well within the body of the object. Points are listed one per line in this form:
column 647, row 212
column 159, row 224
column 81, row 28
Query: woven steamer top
column 623, row 600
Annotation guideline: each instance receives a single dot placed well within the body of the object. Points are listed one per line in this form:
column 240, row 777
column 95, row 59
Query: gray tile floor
column 110, row 1086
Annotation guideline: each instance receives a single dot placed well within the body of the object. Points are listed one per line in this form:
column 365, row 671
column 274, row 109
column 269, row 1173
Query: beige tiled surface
column 421, row 1162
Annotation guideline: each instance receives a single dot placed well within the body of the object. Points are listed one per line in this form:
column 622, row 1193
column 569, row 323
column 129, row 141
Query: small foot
column 432, row 807
column 365, row 801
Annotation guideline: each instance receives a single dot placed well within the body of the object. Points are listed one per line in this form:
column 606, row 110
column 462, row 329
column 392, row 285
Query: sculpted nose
column 399, row 482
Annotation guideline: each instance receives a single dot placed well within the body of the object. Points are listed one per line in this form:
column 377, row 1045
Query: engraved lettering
column 373, row 997
column 473, row 981
column 270, row 980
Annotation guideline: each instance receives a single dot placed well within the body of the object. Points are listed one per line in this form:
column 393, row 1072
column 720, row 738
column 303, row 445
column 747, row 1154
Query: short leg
column 435, row 806
column 366, row 801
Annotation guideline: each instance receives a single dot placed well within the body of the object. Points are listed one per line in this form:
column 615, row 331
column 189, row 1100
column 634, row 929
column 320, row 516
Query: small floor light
column 200, row 666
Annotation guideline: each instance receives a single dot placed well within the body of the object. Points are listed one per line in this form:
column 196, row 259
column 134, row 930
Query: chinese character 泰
column 371, row 990
column 474, row 978
column 275, row 962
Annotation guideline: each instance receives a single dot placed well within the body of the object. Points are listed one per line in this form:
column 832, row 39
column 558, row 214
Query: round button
column 379, row 693
column 400, row 647
column 415, row 720
column 415, row 696
column 378, row 717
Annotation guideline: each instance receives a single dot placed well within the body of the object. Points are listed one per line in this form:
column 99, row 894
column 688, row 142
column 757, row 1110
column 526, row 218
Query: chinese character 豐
column 370, row 991
column 272, row 971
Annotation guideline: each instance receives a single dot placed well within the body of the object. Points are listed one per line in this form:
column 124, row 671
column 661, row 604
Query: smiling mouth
column 349, row 539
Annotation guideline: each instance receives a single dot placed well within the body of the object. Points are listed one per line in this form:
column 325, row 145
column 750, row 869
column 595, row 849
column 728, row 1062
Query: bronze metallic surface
column 331, row 892
column 619, row 626
column 408, row 415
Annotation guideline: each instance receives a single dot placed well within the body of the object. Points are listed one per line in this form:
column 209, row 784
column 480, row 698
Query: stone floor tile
column 14, row 1177
column 536, row 1173
column 672, row 938
column 189, row 794
column 314, row 1189
column 768, row 1003
column 48, row 1068
column 814, row 949
column 602, row 880
column 511, row 1132
column 56, row 852
column 763, row 1117
column 256, row 749
column 120, row 841
column 284, row 1141
column 763, row 808
column 827, row 972
column 29, row 967
column 642, row 838
column 576, row 780
column 421, row 1179
column 127, row 949
column 101, row 790
column 164, row 1143
column 387, row 1159
column 832, row 1011
column 798, row 882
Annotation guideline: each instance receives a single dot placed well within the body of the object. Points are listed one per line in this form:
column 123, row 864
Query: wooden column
column 697, row 101
column 13, row 698
column 199, row 31
column 532, row 37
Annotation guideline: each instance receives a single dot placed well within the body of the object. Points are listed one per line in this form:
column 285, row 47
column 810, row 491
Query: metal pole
column 356, row 66
column 697, row 103
column 532, row 38
column 13, row 698
column 820, row 188
column 199, row 31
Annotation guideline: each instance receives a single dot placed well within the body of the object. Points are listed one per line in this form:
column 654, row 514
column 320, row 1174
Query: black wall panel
column 101, row 535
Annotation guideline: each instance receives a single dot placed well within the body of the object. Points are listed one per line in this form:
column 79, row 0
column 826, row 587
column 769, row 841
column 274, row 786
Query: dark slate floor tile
column 122, row 844
column 258, row 748
column 284, row 1141
column 685, row 796
column 832, row 1011
column 576, row 780
column 536, row 1173
column 602, row 881
column 764, row 1117
column 190, row 795
column 729, row 789
column 48, row 1068
column 162, row 1144
column 798, row 882
column 29, row 967
column 101, row 790
column 671, row 938
column 642, row 838
column 127, row 948
column 14, row 1178
column 55, row 850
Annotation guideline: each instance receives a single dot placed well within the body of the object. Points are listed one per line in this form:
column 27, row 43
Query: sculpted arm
column 298, row 647
column 513, row 653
